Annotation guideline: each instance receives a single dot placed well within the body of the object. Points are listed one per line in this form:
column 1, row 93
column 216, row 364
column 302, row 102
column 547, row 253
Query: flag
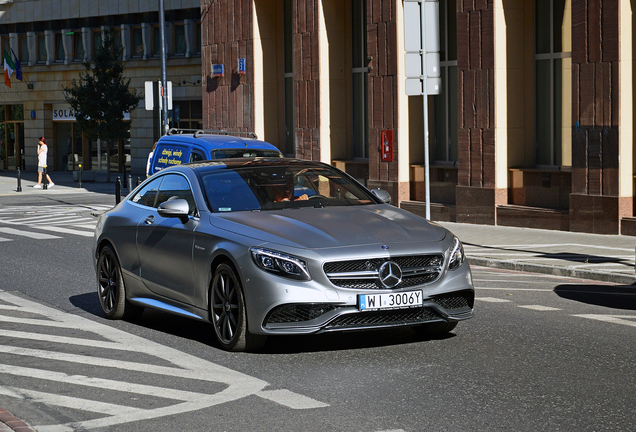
column 18, row 68
column 9, row 67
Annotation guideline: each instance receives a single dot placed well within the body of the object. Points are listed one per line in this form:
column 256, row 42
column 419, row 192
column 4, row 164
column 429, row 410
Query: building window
column 97, row 40
column 187, row 114
column 445, row 104
column 12, row 136
column 156, row 41
column 552, row 66
column 359, row 79
column 23, row 43
column 197, row 38
column 59, row 48
column 180, row 45
column 78, row 46
column 41, row 48
column 116, row 32
column 137, row 42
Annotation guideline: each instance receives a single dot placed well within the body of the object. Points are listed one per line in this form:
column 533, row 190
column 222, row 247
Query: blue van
column 178, row 147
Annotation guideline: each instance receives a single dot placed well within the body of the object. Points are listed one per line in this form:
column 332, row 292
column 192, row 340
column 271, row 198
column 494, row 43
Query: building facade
column 533, row 126
column 51, row 39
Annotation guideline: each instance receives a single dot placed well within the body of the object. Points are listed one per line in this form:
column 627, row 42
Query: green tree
column 101, row 96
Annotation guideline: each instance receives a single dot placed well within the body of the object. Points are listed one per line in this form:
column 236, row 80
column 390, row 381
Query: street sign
column 154, row 95
column 217, row 70
column 422, row 45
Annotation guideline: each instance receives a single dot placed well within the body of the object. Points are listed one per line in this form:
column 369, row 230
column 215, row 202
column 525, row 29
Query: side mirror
column 382, row 195
column 176, row 208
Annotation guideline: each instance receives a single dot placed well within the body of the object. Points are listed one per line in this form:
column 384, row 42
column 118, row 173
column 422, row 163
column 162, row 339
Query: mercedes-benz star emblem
column 390, row 274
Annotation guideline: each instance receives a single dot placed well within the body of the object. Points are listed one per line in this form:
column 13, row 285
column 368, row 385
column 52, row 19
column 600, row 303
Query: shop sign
column 65, row 113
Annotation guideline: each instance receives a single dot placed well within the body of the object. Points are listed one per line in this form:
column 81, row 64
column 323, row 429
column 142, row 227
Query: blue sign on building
column 241, row 66
column 217, row 70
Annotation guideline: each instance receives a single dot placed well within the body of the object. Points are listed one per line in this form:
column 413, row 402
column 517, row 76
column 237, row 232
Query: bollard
column 44, row 183
column 130, row 186
column 117, row 190
column 125, row 185
column 79, row 176
column 19, row 189
column 138, row 181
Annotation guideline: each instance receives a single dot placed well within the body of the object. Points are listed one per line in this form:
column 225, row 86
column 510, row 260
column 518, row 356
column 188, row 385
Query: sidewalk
column 64, row 183
column 608, row 258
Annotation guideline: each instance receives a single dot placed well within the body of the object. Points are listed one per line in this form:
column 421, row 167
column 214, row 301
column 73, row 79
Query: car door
column 165, row 244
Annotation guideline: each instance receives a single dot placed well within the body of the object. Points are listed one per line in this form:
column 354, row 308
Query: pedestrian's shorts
column 40, row 169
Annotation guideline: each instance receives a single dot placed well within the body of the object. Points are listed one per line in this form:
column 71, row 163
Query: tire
column 436, row 328
column 228, row 314
column 111, row 289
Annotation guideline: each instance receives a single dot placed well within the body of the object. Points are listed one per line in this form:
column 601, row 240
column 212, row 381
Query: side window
column 175, row 186
column 146, row 196
column 196, row 156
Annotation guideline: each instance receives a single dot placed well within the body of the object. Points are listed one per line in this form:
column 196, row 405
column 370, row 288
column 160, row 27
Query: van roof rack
column 197, row 132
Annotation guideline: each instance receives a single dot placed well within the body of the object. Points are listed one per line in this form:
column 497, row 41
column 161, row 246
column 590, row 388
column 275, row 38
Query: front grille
column 456, row 300
column 291, row 313
column 383, row 318
column 363, row 273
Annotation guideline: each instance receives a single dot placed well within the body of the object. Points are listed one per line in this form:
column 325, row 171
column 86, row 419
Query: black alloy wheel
column 227, row 309
column 110, row 287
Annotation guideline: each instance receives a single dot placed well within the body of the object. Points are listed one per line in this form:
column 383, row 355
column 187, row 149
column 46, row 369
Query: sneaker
column 37, row 186
column 51, row 185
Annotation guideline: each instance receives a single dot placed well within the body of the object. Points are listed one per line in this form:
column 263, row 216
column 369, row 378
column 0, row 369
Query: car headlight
column 280, row 264
column 457, row 256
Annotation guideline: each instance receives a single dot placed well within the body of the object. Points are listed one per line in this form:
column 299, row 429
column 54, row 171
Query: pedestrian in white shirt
column 43, row 150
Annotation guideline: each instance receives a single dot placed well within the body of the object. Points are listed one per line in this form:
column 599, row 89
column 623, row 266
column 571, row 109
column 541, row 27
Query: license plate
column 400, row 300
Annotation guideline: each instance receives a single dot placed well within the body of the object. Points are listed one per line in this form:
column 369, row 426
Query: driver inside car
column 285, row 191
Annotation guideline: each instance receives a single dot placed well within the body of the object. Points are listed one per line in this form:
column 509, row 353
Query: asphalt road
column 542, row 353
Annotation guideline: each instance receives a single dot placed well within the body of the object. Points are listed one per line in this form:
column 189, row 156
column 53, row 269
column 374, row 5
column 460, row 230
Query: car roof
column 210, row 141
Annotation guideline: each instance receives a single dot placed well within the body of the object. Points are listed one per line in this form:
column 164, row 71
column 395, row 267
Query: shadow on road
column 87, row 302
column 203, row 332
column 616, row 297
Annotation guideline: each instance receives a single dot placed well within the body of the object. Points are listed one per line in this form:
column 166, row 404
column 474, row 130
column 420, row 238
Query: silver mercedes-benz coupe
column 264, row 247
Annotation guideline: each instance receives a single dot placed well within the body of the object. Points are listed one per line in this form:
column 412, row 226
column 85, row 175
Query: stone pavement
column 608, row 258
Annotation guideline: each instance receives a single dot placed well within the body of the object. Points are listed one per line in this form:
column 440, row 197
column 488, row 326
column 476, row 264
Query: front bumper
column 291, row 307
column 326, row 317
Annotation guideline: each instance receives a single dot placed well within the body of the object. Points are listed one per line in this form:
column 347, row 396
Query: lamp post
column 164, row 78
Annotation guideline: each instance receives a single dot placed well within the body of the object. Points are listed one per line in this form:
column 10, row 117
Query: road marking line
column 540, row 308
column 5, row 239
column 34, row 235
column 183, row 365
column 492, row 299
column 516, row 289
column 290, row 399
column 614, row 319
column 65, row 230
column 39, row 219
column 107, row 384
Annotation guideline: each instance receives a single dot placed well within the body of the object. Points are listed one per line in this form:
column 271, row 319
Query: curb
column 13, row 423
column 555, row 271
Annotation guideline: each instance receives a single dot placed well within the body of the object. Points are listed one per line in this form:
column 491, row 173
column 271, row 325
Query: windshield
column 281, row 187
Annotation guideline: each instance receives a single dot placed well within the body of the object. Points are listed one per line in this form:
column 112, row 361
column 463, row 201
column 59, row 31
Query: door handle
column 149, row 220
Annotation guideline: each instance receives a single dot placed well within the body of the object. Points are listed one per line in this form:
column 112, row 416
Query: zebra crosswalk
column 77, row 220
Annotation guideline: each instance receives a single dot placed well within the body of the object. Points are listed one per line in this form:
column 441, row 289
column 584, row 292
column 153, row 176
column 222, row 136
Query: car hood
column 331, row 226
